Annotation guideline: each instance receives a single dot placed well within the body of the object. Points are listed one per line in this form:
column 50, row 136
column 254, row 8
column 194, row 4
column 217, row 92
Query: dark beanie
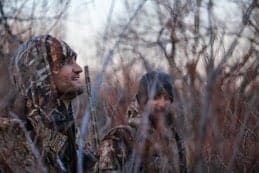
column 154, row 83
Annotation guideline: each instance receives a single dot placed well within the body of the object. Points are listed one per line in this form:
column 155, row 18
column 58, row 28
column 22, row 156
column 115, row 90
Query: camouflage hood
column 32, row 67
column 31, row 72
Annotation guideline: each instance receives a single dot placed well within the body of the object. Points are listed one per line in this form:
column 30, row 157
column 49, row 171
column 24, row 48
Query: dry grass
column 229, row 140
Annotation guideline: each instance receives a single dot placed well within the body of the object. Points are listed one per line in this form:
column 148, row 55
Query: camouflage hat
column 154, row 83
column 32, row 66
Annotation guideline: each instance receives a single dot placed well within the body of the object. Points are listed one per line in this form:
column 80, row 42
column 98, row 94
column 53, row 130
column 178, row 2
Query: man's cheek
column 65, row 80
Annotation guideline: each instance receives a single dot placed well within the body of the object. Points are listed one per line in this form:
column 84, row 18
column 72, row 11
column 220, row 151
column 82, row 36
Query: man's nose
column 162, row 102
column 77, row 68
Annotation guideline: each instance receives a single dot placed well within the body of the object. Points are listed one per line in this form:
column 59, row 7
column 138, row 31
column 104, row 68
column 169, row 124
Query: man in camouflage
column 150, row 142
column 44, row 71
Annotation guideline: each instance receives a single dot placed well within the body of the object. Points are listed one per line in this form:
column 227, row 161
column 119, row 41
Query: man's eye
column 69, row 61
column 166, row 97
column 156, row 97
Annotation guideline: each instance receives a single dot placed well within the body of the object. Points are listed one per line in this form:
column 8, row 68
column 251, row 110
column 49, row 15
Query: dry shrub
column 230, row 142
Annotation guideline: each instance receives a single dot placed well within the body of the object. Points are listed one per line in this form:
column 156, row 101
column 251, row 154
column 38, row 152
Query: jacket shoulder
column 16, row 149
column 115, row 148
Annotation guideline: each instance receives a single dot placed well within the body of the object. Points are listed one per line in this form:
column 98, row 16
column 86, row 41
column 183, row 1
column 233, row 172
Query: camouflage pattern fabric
column 53, row 130
column 16, row 155
column 153, row 152
column 133, row 114
column 116, row 148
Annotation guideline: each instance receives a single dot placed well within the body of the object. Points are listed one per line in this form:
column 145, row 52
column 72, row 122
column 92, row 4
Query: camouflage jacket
column 50, row 126
column 20, row 152
column 127, row 149
column 16, row 154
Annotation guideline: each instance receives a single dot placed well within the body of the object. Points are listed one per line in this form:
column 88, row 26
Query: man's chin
column 73, row 93
column 80, row 91
column 158, row 114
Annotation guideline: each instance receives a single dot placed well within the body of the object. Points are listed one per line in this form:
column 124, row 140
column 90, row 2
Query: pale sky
column 86, row 21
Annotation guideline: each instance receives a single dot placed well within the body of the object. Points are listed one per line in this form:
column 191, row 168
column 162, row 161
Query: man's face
column 67, row 79
column 160, row 103
column 159, row 107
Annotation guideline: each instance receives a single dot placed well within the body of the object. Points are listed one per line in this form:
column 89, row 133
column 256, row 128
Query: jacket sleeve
column 16, row 152
column 50, row 141
column 115, row 149
column 108, row 159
